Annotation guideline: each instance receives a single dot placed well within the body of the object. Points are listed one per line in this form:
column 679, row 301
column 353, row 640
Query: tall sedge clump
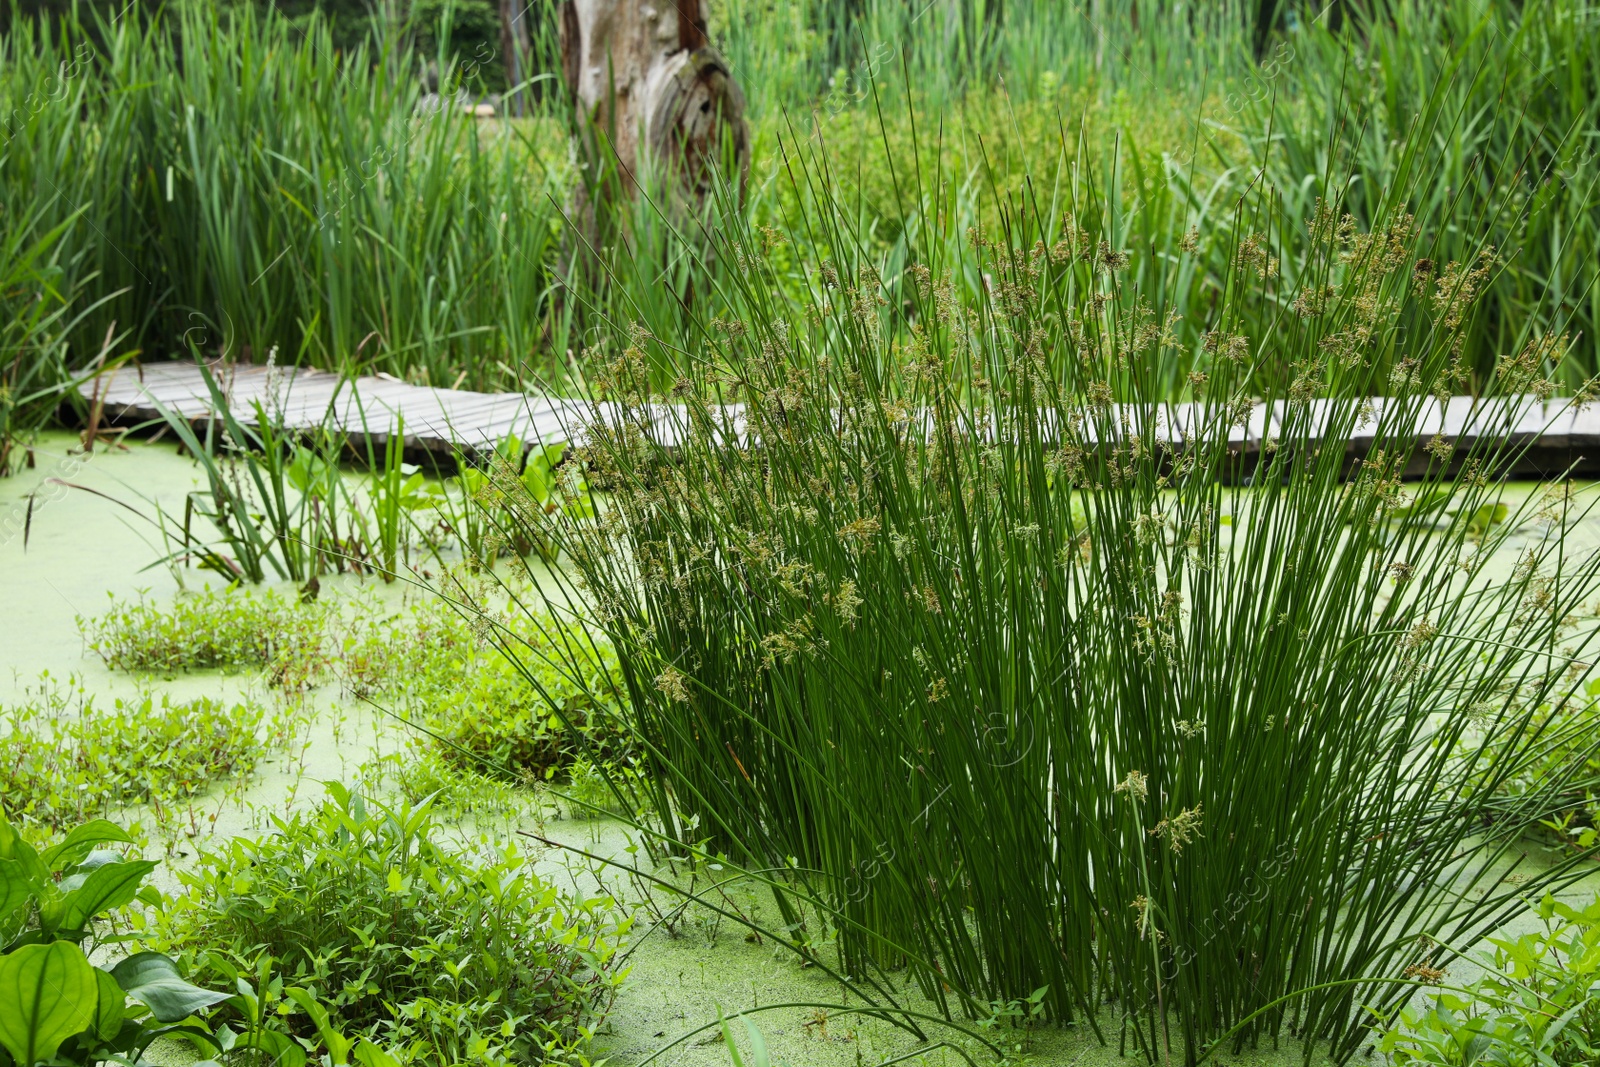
column 1029, row 677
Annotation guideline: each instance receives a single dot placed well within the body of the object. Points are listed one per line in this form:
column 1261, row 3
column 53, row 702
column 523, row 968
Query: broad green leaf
column 152, row 979
column 81, row 841
column 370, row 1055
column 282, row 1050
column 47, row 994
column 537, row 479
column 14, row 848
column 16, row 889
column 510, row 449
column 758, row 1046
column 337, row 1044
column 81, row 871
column 107, row 887
column 111, row 1006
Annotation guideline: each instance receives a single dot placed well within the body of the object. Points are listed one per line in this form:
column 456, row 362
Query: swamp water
column 82, row 550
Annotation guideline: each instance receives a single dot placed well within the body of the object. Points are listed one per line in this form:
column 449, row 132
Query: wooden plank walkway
column 436, row 422
column 442, row 423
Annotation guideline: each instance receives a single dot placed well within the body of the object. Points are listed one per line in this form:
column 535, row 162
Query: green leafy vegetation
column 278, row 505
column 446, row 958
column 225, row 630
column 64, row 759
column 75, row 900
column 1568, row 754
column 57, row 908
column 1534, row 1003
column 456, row 791
column 440, row 664
column 496, row 692
column 495, row 510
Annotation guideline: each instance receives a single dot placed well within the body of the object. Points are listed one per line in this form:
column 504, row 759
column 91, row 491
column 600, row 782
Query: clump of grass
column 35, row 314
column 229, row 630
column 63, row 759
column 254, row 206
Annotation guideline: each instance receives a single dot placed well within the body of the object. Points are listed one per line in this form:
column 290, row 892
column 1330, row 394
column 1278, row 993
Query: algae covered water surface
column 78, row 552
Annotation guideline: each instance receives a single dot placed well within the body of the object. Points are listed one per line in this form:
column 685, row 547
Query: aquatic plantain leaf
column 153, row 980
column 47, row 994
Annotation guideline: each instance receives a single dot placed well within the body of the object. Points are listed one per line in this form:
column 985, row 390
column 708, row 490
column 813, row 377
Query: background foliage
column 321, row 215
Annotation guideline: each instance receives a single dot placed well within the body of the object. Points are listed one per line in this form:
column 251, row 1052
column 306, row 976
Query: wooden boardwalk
column 440, row 424
column 437, row 422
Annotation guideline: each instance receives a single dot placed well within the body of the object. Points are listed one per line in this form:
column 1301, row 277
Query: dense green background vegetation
column 254, row 180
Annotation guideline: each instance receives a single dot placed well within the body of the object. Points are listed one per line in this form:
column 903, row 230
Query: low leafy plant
column 63, row 760
column 444, row 670
column 56, row 908
column 1568, row 753
column 502, row 508
column 408, row 944
column 599, row 787
column 227, row 630
column 1537, row 1003
column 457, row 790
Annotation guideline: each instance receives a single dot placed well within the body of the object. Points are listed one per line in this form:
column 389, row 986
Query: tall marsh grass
column 940, row 618
column 243, row 185
column 40, row 304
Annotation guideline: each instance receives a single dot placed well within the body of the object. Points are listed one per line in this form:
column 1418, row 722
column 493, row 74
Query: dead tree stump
column 648, row 92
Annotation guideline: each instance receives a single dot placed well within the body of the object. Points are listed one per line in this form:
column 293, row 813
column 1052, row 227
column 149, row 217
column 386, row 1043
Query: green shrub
column 226, row 630
column 451, row 961
column 519, row 721
column 1537, row 1004
column 65, row 904
column 63, row 760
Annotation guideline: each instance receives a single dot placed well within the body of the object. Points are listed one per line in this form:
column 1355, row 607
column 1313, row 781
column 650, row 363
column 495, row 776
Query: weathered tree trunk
column 515, row 48
column 648, row 91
